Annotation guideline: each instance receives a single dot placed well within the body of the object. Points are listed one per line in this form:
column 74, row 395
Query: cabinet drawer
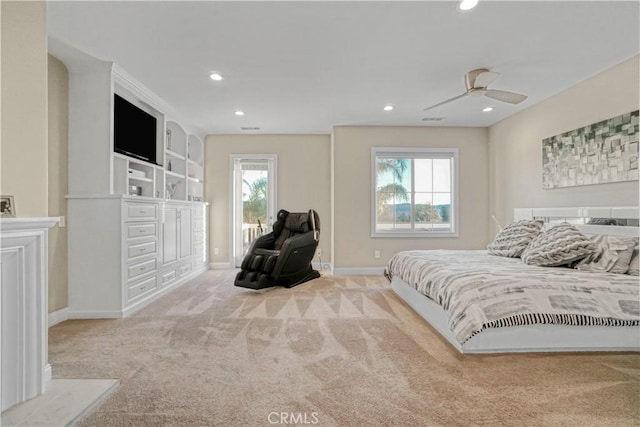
column 140, row 211
column 144, row 267
column 142, row 249
column 185, row 269
column 169, row 276
column 142, row 287
column 141, row 230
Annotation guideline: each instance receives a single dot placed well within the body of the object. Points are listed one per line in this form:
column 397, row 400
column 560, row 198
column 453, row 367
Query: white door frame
column 272, row 201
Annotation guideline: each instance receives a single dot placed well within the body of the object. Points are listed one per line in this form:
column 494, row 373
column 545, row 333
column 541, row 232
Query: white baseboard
column 325, row 266
column 97, row 314
column 358, row 271
column 59, row 316
column 220, row 266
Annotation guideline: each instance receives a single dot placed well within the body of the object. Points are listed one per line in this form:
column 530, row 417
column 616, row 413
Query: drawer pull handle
column 142, row 288
column 142, row 212
column 142, row 268
column 143, row 249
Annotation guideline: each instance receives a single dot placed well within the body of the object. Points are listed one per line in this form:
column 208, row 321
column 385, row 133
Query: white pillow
column 514, row 238
column 613, row 254
column 634, row 265
column 559, row 245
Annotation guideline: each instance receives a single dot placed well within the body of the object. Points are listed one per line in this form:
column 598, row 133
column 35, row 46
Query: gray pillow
column 514, row 238
column 613, row 254
column 559, row 245
column 634, row 265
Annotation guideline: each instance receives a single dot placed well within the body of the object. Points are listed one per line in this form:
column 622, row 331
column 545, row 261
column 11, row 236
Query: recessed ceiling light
column 388, row 107
column 215, row 76
column 487, row 109
column 239, row 113
column 467, row 4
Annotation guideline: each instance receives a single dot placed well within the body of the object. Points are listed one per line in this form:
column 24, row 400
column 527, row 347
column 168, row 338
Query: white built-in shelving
column 126, row 216
column 195, row 168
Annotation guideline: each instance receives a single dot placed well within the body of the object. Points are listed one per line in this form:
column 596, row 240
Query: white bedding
column 481, row 291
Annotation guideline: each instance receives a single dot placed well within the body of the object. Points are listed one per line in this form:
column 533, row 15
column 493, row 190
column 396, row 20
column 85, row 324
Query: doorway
column 254, row 200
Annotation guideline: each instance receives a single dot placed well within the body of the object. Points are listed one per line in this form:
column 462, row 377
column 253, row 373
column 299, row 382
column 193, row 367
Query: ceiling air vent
column 249, row 128
column 432, row 119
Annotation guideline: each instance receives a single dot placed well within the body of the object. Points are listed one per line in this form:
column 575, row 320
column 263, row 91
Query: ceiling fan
column 476, row 82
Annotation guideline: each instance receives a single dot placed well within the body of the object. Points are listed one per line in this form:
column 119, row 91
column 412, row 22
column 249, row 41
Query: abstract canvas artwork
column 603, row 152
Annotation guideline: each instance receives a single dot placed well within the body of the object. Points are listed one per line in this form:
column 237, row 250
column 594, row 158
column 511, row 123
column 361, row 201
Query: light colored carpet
column 334, row 351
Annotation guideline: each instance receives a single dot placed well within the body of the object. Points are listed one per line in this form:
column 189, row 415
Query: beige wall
column 24, row 106
column 303, row 181
column 516, row 144
column 353, row 245
column 58, row 143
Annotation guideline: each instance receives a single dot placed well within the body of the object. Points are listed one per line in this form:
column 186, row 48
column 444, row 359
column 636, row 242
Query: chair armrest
column 295, row 246
column 270, row 252
column 298, row 241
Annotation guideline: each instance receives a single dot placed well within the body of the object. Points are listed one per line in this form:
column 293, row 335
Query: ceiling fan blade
column 485, row 78
column 445, row 102
column 504, row 96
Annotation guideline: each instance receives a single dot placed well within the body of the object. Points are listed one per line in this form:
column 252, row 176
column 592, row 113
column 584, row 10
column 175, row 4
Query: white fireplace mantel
column 25, row 370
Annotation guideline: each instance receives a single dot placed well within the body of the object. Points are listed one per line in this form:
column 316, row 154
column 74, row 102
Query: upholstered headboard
column 613, row 221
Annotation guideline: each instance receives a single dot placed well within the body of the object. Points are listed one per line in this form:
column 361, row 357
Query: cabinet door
column 170, row 235
column 185, row 232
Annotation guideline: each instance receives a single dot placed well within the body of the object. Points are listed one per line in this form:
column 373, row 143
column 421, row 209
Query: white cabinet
column 170, row 235
column 119, row 263
column 177, row 241
column 134, row 226
column 185, row 233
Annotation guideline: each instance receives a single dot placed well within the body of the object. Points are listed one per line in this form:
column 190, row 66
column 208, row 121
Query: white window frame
column 415, row 152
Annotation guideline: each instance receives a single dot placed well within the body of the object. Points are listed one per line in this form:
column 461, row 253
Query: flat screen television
column 134, row 132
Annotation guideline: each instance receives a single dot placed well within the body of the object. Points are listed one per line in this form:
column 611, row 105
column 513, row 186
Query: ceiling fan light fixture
column 467, row 4
column 215, row 76
column 388, row 107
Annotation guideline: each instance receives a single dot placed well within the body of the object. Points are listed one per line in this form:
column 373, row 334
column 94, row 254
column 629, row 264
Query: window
column 414, row 192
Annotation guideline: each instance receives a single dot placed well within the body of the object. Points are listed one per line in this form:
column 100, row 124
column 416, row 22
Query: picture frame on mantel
column 7, row 207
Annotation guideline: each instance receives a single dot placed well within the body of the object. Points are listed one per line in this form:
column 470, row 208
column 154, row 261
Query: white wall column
column 25, row 370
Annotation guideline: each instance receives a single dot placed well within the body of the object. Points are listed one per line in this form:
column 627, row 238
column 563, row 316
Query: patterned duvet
column 481, row 291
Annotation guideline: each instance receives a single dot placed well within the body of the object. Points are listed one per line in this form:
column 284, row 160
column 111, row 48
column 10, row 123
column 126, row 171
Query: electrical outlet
column 216, row 251
column 376, row 254
column 63, row 222
column 319, row 252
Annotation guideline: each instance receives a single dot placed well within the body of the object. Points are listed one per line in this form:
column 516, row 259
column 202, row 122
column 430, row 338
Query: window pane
column 424, row 212
column 393, row 194
column 442, row 175
column 423, row 175
column 393, row 171
column 442, row 201
column 403, row 211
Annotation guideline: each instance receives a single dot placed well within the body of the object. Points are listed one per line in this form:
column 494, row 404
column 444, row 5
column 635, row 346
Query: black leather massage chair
column 282, row 257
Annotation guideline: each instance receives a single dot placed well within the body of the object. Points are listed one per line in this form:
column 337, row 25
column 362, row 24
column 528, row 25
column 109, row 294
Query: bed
column 482, row 303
